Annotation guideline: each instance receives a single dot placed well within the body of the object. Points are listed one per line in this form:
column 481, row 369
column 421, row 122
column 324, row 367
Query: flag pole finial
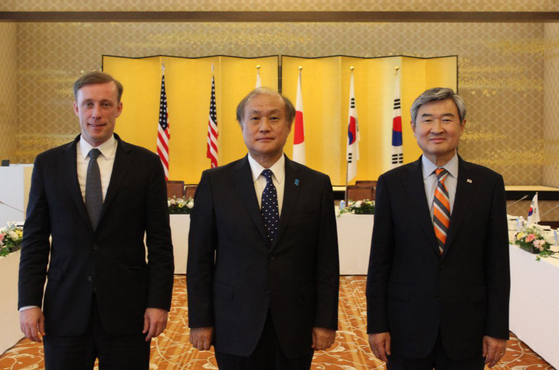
column 258, row 66
column 300, row 68
column 352, row 68
column 397, row 68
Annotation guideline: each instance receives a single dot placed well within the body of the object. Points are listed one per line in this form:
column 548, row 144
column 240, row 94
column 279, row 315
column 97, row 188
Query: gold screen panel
column 188, row 89
column 325, row 89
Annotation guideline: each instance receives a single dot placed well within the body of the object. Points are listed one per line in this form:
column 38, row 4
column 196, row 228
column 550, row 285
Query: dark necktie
column 269, row 209
column 441, row 209
column 93, row 190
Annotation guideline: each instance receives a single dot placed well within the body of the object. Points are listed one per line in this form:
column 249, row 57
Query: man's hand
column 32, row 322
column 322, row 338
column 493, row 350
column 155, row 321
column 201, row 338
column 380, row 344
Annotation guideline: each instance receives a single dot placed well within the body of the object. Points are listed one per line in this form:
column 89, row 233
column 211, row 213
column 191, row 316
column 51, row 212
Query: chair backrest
column 190, row 190
column 355, row 192
column 175, row 189
column 366, row 183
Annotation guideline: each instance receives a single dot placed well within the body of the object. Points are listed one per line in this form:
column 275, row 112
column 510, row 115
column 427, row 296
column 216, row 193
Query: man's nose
column 437, row 126
column 96, row 111
column 264, row 124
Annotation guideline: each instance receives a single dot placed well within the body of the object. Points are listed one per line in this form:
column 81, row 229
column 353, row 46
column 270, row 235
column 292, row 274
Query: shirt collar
column 278, row 169
column 429, row 167
column 107, row 149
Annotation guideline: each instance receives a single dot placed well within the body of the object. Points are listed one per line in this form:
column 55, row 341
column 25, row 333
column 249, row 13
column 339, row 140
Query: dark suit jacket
column 111, row 260
column 297, row 277
column 413, row 292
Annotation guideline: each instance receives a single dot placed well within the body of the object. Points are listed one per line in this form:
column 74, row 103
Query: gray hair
column 289, row 108
column 94, row 78
column 438, row 94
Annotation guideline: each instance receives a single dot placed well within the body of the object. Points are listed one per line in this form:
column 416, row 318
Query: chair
column 355, row 192
column 190, row 190
column 175, row 189
column 366, row 183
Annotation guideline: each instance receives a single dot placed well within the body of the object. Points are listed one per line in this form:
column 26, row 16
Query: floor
column 350, row 352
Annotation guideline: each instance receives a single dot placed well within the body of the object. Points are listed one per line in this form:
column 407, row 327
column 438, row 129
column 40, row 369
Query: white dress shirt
column 278, row 170
column 430, row 180
column 105, row 161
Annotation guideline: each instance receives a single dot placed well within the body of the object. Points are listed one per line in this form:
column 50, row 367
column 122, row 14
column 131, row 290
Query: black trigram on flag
column 398, row 158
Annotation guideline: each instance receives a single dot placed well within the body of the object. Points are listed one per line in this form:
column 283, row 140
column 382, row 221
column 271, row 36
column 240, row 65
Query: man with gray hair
column 263, row 267
column 439, row 281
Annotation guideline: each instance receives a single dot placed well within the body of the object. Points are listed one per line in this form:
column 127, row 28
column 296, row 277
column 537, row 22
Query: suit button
column 95, row 247
column 89, row 278
column 272, row 257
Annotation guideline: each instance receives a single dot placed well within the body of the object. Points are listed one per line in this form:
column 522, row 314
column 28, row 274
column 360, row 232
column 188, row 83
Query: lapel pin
column 296, row 182
column 469, row 181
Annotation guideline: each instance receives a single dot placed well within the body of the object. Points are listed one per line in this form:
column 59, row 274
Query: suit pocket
column 223, row 291
column 55, row 274
column 478, row 294
column 398, row 291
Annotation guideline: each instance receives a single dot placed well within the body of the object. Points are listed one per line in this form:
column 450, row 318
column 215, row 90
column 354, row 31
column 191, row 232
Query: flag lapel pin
column 469, row 181
column 296, row 182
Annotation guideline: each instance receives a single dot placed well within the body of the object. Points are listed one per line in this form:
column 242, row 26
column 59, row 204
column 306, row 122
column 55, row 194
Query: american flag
column 397, row 152
column 163, row 132
column 212, row 129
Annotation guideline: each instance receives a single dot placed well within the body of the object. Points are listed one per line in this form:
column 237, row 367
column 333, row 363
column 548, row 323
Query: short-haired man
column 439, row 280
column 263, row 268
column 96, row 197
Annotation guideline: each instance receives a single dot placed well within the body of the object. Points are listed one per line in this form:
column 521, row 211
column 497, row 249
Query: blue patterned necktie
column 269, row 209
column 93, row 190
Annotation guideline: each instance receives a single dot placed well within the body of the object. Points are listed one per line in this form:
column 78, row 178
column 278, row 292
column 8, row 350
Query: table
column 9, row 315
column 180, row 226
column 354, row 238
column 534, row 302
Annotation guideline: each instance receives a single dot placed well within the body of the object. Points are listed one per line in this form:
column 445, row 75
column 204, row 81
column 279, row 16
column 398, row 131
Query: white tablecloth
column 354, row 238
column 180, row 225
column 9, row 315
column 534, row 303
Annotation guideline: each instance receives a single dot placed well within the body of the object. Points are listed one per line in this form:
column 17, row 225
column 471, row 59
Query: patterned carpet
column 350, row 352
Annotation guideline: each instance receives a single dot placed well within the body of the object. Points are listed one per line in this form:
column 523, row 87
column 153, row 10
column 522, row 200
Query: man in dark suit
column 96, row 197
column 263, row 288
column 439, row 281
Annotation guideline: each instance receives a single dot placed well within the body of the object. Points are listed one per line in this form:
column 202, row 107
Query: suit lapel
column 464, row 191
column 242, row 178
column 123, row 160
column 415, row 187
column 293, row 182
column 68, row 163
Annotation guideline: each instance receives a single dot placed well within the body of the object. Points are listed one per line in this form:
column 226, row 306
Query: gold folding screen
column 325, row 90
column 188, row 88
